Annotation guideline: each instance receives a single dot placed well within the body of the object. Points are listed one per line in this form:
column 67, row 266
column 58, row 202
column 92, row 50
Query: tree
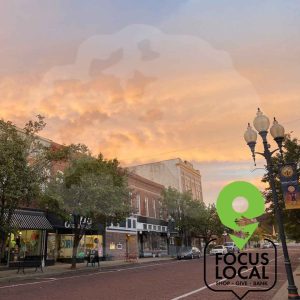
column 206, row 222
column 291, row 217
column 192, row 218
column 177, row 205
column 89, row 187
column 22, row 170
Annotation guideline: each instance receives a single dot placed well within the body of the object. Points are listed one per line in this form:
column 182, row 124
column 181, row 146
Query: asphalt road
column 163, row 280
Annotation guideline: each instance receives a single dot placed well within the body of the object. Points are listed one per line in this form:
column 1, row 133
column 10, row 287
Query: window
column 160, row 209
column 154, row 207
column 129, row 223
column 154, row 227
column 150, row 227
column 122, row 224
column 138, row 204
column 146, row 207
column 159, row 228
column 145, row 226
column 134, row 223
column 130, row 197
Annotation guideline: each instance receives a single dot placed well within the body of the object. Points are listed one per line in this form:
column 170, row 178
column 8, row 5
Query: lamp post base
column 293, row 292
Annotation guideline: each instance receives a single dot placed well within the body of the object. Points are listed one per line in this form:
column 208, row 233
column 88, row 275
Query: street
column 162, row 280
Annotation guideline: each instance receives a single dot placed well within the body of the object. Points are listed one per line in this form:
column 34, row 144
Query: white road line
column 52, row 279
column 212, row 284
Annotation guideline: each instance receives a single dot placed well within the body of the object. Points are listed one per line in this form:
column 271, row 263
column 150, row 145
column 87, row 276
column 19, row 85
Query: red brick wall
column 146, row 188
column 124, row 239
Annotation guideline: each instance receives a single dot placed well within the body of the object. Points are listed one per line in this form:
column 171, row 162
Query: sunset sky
column 151, row 80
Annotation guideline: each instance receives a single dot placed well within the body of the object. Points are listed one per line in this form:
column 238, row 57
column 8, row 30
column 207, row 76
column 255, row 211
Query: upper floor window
column 138, row 204
column 154, row 207
column 146, row 206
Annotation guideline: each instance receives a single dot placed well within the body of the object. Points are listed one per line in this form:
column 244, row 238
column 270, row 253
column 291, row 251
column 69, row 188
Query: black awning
column 23, row 219
column 59, row 224
column 153, row 221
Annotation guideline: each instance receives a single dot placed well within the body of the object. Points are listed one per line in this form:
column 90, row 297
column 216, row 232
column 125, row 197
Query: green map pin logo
column 242, row 223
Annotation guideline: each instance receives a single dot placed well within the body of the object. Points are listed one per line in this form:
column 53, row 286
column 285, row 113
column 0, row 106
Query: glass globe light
column 261, row 122
column 250, row 135
column 277, row 130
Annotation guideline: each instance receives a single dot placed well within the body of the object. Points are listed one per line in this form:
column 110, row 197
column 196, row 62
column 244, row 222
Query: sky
column 151, row 80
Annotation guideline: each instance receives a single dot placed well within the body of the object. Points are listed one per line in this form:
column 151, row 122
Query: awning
column 23, row 219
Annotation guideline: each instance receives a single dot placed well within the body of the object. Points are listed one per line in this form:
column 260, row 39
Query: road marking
column 52, row 279
column 212, row 284
column 28, row 283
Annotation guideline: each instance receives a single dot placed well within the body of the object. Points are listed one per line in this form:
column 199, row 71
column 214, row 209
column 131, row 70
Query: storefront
column 152, row 237
column 60, row 240
column 28, row 237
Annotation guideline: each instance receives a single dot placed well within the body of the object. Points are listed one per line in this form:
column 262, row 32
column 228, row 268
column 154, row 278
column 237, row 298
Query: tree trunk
column 104, row 242
column 77, row 239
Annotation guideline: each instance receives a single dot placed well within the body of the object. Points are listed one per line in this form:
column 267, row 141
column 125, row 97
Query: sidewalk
column 10, row 275
column 282, row 294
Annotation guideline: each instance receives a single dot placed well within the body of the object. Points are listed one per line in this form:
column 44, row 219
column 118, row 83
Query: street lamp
column 261, row 123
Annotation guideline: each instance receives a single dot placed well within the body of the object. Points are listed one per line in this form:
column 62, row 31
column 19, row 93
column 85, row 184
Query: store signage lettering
column 84, row 222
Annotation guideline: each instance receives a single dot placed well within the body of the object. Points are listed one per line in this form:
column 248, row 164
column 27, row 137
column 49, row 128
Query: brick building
column 144, row 233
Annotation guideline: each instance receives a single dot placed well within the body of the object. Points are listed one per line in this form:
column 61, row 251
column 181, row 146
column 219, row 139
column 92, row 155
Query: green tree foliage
column 89, row 187
column 192, row 218
column 22, row 170
column 291, row 217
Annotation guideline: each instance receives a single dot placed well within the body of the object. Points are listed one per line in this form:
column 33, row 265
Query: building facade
column 174, row 173
column 144, row 233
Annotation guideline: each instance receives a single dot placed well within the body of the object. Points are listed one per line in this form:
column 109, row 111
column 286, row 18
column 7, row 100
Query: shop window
column 25, row 243
column 87, row 243
column 51, row 246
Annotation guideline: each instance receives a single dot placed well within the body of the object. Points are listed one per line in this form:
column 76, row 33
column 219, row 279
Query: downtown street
column 171, row 279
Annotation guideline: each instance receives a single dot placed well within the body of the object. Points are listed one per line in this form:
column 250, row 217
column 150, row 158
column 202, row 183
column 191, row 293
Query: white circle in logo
column 240, row 204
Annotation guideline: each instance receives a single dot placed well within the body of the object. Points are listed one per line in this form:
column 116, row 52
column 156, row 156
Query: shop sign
column 84, row 222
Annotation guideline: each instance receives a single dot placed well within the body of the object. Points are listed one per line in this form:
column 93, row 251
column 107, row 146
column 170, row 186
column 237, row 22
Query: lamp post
column 261, row 124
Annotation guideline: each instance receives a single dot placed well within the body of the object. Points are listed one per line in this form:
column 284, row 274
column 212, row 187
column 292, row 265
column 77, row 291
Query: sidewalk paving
column 10, row 275
column 282, row 293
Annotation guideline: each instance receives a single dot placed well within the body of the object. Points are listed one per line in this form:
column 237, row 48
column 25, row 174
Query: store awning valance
column 23, row 219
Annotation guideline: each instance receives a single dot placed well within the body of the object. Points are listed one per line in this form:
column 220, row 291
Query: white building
column 174, row 173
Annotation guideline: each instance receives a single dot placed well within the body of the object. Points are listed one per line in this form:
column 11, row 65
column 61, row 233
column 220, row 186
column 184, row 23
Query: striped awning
column 23, row 219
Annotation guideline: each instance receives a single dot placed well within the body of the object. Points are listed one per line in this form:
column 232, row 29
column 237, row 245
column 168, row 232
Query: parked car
column 267, row 245
column 231, row 247
column 218, row 249
column 189, row 253
column 276, row 243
